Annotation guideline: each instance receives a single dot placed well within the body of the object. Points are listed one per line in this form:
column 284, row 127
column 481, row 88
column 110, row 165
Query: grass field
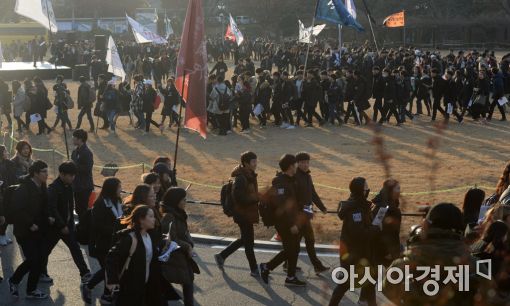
column 469, row 154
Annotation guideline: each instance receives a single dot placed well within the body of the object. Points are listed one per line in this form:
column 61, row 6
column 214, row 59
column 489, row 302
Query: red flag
column 192, row 62
column 230, row 35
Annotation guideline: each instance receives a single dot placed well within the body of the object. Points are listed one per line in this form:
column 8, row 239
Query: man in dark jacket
column 246, row 199
column 357, row 229
column 85, row 103
column 311, row 94
column 438, row 87
column 30, row 223
column 390, row 106
column 149, row 97
column 306, row 197
column 377, row 92
column 83, row 183
column 101, row 88
column 288, row 220
column 450, row 96
column 497, row 93
column 60, row 212
column 220, row 68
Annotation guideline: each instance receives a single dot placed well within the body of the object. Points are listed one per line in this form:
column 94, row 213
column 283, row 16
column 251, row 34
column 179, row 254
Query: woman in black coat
column 180, row 268
column 171, row 99
column 5, row 101
column 388, row 239
column 41, row 105
column 149, row 97
column 132, row 263
column 105, row 221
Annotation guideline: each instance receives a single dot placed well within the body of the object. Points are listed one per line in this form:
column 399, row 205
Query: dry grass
column 467, row 154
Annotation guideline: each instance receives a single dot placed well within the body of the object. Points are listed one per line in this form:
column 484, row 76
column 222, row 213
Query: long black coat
column 103, row 226
column 134, row 291
column 5, row 99
column 171, row 99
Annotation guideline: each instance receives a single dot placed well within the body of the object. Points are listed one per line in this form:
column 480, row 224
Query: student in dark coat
column 105, row 221
column 85, row 103
column 149, row 97
column 357, row 229
column 172, row 99
column 8, row 178
column 138, row 284
column 83, row 183
column 438, row 88
column 377, row 91
column 30, row 222
column 246, row 199
column 5, row 101
column 41, row 105
column 180, row 268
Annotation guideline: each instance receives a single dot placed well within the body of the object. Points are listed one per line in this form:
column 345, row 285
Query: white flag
column 236, row 31
column 113, row 60
column 349, row 5
column 306, row 33
column 168, row 28
column 144, row 35
column 40, row 11
column 1, row 55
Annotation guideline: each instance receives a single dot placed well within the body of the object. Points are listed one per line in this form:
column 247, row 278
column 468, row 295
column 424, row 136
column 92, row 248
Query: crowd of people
column 330, row 85
column 132, row 235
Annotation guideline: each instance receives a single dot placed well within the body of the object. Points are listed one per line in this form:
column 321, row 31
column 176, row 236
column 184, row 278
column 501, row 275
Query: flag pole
column 369, row 16
column 311, row 35
column 179, row 120
column 404, row 13
column 340, row 39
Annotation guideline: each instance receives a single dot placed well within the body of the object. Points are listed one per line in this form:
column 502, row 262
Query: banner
column 305, row 33
column 40, row 11
column 192, row 63
column 168, row 28
column 395, row 21
column 237, row 33
column 144, row 35
column 335, row 11
column 113, row 60
column 349, row 5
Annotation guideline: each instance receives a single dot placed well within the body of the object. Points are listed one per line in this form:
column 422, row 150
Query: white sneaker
column 247, row 131
column 284, row 125
column 291, row 127
column 4, row 240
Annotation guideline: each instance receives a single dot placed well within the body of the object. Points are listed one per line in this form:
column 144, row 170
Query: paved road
column 234, row 287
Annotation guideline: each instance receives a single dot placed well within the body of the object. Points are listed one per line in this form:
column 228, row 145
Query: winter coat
column 361, row 94
column 5, row 99
column 134, row 290
column 306, row 194
column 215, row 99
column 84, row 96
column 103, row 225
column 41, row 103
column 171, row 99
column 60, row 203
column 22, row 165
column 18, row 102
column 288, row 213
column 84, row 160
column 387, row 241
column 7, row 174
column 377, row 87
column 245, row 195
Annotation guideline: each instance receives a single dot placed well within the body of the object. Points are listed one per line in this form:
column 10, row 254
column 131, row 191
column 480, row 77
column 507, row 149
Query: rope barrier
column 143, row 165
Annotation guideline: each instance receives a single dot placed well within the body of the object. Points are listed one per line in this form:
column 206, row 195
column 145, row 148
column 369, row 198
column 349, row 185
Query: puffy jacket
column 245, row 194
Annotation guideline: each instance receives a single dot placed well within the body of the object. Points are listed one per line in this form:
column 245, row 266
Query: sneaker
column 276, row 238
column 320, row 269
column 229, row 132
column 284, row 125
column 106, row 299
column 264, row 273
column 37, row 295
column 86, row 278
column 219, row 261
column 291, row 127
column 4, row 240
column 247, row 131
column 255, row 272
column 86, row 293
column 45, row 278
column 13, row 288
column 294, row 282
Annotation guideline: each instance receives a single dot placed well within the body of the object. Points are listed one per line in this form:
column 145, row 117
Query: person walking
column 5, row 103
column 8, row 178
column 172, row 99
column 60, row 214
column 221, row 96
column 498, row 91
column 111, row 104
column 149, row 97
column 86, row 98
column 287, row 221
column 61, row 103
column 19, row 102
column 30, row 225
column 83, row 184
column 40, row 105
column 245, row 200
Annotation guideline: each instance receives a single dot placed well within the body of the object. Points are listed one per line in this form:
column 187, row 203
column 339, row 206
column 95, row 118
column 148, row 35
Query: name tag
column 281, row 191
column 356, row 217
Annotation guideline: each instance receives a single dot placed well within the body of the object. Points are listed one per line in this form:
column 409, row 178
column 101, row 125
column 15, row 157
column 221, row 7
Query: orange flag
column 394, row 21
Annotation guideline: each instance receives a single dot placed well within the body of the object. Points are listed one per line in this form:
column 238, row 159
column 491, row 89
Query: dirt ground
column 469, row 154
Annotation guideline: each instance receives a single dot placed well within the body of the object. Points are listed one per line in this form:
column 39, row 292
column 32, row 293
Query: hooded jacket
column 245, row 194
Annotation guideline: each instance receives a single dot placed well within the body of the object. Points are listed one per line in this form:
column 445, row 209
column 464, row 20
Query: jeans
column 81, row 202
column 246, row 240
column 289, row 253
column 54, row 237
column 111, row 119
column 85, row 111
column 34, row 250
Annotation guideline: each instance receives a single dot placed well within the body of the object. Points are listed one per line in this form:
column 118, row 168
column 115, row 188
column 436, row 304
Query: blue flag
column 335, row 11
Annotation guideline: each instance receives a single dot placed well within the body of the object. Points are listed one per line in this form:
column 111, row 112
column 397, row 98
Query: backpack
column 92, row 95
column 267, row 209
column 83, row 228
column 8, row 209
column 226, row 198
column 223, row 99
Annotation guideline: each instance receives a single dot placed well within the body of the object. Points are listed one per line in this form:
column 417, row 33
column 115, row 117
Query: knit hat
column 445, row 216
column 174, row 196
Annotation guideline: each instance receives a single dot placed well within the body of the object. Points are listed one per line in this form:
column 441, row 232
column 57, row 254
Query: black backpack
column 226, row 198
column 267, row 208
column 84, row 227
column 223, row 99
column 8, row 205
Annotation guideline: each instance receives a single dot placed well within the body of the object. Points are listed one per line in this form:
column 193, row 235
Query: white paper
column 40, row 11
column 380, row 216
column 449, row 110
column 171, row 248
column 308, row 209
column 483, row 211
column 175, row 109
column 258, row 109
column 35, row 118
column 502, row 101
column 470, row 103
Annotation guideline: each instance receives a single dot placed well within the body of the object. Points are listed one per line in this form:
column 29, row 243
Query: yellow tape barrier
column 147, row 166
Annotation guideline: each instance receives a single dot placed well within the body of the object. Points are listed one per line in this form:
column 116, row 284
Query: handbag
column 69, row 103
column 480, row 100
